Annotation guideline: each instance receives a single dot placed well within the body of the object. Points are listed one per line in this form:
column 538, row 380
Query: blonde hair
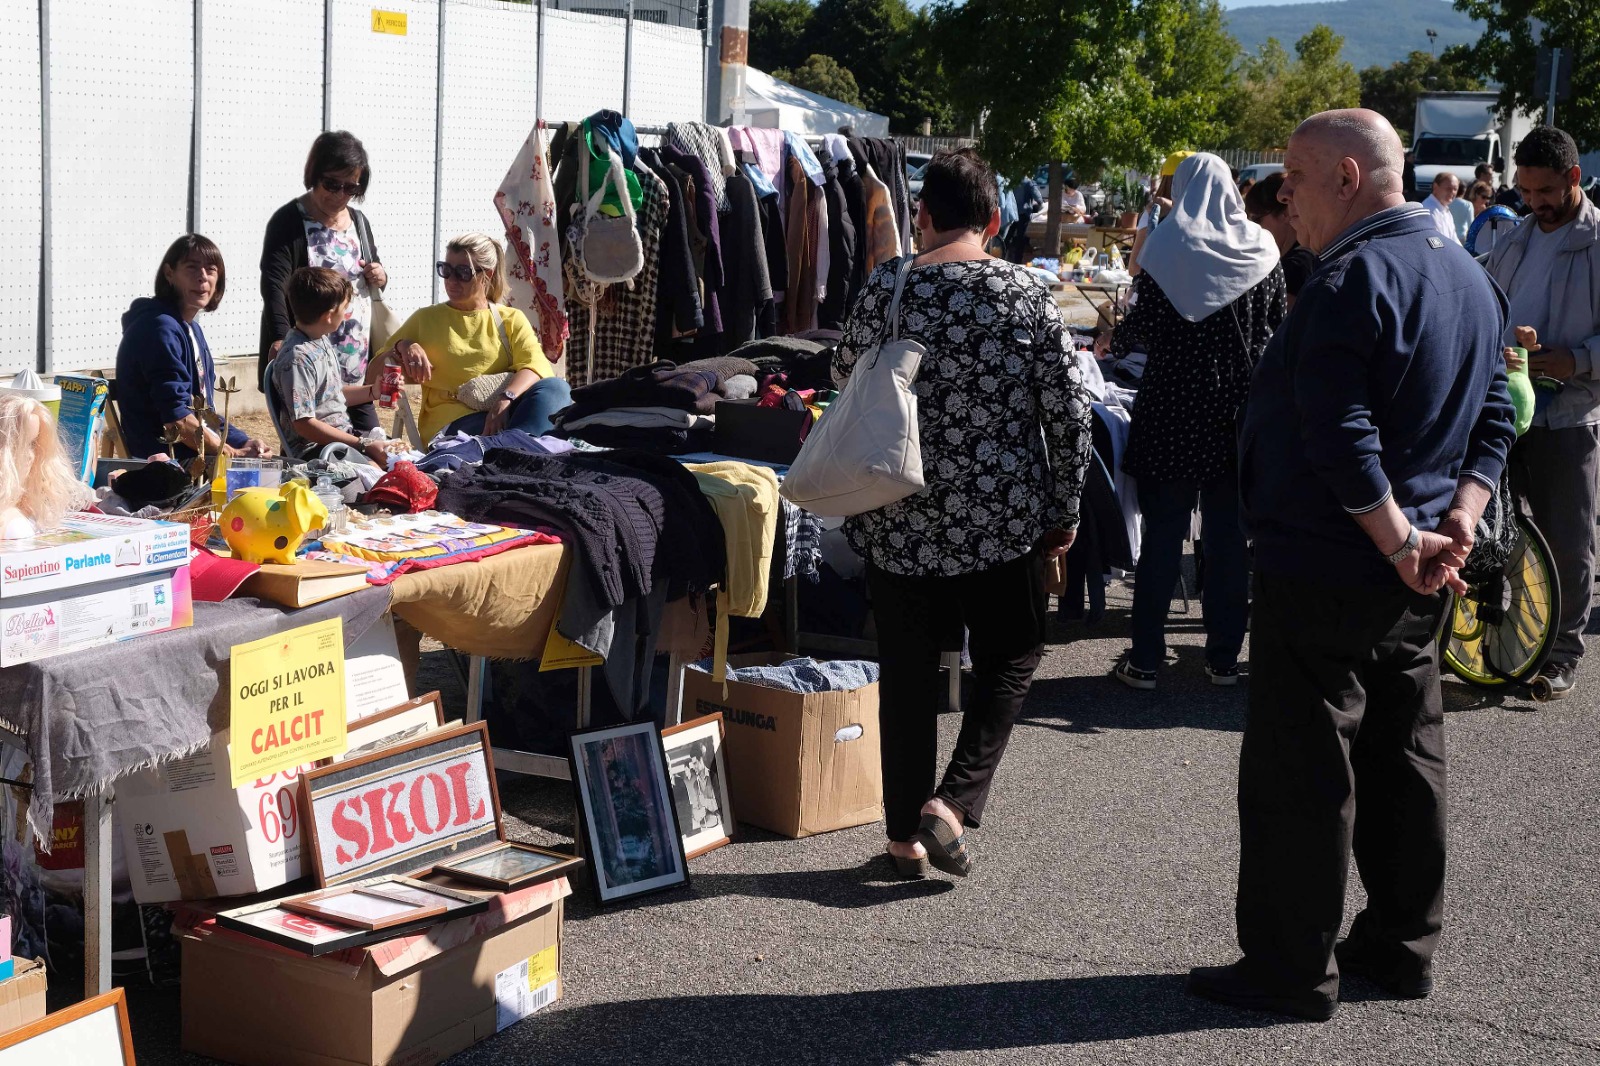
column 34, row 475
column 484, row 252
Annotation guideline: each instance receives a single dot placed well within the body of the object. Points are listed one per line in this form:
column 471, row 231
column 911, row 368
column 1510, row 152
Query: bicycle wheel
column 1501, row 631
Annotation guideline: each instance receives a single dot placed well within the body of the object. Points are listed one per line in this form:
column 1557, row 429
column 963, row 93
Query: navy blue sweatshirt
column 1385, row 380
column 157, row 368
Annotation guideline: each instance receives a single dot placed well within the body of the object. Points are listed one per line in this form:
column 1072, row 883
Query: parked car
column 1257, row 171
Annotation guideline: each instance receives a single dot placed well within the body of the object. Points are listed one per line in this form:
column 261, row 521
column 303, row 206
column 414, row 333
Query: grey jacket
column 1574, row 320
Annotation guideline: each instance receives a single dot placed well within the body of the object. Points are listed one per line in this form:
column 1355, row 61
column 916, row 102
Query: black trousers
column 1343, row 749
column 1003, row 610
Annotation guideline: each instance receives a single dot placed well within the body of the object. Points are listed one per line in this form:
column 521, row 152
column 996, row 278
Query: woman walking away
column 1001, row 497
column 1209, row 299
column 321, row 229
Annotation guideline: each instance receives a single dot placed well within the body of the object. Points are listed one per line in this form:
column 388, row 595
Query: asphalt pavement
column 1105, row 869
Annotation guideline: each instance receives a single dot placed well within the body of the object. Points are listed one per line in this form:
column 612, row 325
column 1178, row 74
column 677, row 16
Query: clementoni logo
column 29, row 571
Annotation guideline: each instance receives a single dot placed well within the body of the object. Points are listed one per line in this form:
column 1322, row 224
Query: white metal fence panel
column 121, row 114
column 668, row 75
column 21, row 189
column 384, row 91
column 260, row 109
column 490, row 51
column 585, row 55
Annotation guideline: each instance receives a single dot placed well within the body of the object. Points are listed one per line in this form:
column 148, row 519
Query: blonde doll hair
column 34, row 475
column 484, row 252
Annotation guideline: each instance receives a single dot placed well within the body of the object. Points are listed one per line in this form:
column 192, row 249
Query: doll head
column 35, row 480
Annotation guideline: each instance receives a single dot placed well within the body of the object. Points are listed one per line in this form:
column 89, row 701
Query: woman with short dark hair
column 1262, row 206
column 163, row 362
column 321, row 229
column 1003, row 418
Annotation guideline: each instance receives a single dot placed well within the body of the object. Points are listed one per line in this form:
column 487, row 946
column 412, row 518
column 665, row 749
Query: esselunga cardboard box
column 189, row 834
column 798, row 763
column 22, row 996
column 410, row 1001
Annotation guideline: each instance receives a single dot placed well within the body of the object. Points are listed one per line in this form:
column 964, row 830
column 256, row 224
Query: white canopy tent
column 779, row 105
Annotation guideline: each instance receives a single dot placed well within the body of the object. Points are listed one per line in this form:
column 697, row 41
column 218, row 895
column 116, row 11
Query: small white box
column 73, row 620
column 90, row 548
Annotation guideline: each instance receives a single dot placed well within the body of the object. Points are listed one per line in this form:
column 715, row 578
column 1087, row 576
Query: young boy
column 306, row 369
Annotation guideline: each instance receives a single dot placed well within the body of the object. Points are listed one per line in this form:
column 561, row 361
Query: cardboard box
column 411, row 1001
column 797, row 764
column 79, row 420
column 56, row 623
column 89, row 548
column 22, row 997
column 188, row 835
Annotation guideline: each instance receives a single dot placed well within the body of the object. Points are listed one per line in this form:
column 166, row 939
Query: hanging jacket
column 708, row 220
column 841, row 251
column 749, row 286
column 678, row 285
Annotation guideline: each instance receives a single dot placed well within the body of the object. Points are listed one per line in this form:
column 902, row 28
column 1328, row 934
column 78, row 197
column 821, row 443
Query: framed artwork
column 699, row 783
column 282, row 922
column 366, row 908
column 95, row 1030
column 404, row 808
column 397, row 725
column 509, row 865
column 634, row 846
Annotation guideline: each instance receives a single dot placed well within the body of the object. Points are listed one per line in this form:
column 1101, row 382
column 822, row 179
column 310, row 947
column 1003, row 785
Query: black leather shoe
column 1374, row 964
column 1555, row 682
column 1233, row 987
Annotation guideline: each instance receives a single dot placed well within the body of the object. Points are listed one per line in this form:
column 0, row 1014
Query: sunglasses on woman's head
column 464, row 272
column 334, row 185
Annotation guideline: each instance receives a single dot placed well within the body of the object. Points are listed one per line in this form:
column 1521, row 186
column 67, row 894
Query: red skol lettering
column 441, row 804
column 349, row 829
column 458, row 783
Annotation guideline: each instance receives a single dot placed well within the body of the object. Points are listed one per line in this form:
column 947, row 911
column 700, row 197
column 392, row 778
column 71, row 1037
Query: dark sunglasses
column 334, row 185
column 460, row 273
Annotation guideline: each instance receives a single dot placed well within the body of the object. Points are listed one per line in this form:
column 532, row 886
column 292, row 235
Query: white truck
column 1456, row 132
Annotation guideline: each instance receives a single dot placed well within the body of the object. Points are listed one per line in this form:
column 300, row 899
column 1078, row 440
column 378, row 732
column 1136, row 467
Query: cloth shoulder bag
column 385, row 319
column 865, row 451
column 480, row 392
column 609, row 248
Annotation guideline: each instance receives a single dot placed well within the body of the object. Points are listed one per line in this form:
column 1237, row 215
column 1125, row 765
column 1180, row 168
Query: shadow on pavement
column 1184, row 700
column 882, row 1027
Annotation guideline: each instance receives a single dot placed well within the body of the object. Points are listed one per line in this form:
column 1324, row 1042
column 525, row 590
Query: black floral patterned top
column 1186, row 420
column 1001, row 409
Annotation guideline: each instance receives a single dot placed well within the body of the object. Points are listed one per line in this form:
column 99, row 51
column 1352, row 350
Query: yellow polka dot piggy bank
column 267, row 525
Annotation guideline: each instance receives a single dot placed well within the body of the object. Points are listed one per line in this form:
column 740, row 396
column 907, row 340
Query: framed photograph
column 625, row 799
column 95, row 1030
column 278, row 923
column 699, row 783
column 404, row 808
column 509, row 865
column 397, row 725
column 365, row 908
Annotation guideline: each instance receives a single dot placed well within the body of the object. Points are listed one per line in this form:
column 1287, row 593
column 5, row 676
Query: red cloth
column 404, row 487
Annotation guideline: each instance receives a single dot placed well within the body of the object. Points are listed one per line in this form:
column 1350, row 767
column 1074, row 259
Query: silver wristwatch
column 1413, row 542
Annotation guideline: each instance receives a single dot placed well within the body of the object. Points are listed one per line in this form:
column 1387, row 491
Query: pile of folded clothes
column 662, row 408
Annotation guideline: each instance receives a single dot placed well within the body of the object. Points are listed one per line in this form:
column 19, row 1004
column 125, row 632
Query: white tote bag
column 865, row 452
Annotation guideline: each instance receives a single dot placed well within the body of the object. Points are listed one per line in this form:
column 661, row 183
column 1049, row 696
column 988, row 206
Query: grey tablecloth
column 92, row 717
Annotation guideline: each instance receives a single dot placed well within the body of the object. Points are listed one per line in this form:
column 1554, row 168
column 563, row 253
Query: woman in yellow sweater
column 447, row 345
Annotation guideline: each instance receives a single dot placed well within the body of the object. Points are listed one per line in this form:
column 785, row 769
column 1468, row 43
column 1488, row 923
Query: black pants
column 1343, row 748
column 1004, row 611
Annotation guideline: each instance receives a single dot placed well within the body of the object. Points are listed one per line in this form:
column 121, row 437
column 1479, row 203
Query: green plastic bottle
column 1522, row 394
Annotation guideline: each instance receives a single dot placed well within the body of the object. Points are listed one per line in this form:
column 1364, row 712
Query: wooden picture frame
column 276, row 923
column 698, row 775
column 402, row 809
column 362, row 907
column 626, row 811
column 95, row 1030
column 395, row 725
column 476, row 868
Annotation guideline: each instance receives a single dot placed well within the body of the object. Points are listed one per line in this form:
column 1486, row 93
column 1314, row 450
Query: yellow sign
column 561, row 654
column 286, row 701
column 542, row 968
column 389, row 22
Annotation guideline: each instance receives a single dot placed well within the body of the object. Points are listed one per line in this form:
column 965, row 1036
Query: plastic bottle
column 1523, row 399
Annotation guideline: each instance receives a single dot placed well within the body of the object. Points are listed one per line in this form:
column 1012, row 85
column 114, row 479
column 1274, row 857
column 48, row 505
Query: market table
column 90, row 719
column 1113, row 289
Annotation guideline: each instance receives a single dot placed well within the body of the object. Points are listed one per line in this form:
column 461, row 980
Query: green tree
column 887, row 47
column 823, row 74
column 1507, row 51
column 1392, row 91
column 1189, row 59
column 778, row 30
column 1274, row 94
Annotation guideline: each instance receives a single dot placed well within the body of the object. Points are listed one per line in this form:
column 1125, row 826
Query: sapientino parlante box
column 90, row 548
